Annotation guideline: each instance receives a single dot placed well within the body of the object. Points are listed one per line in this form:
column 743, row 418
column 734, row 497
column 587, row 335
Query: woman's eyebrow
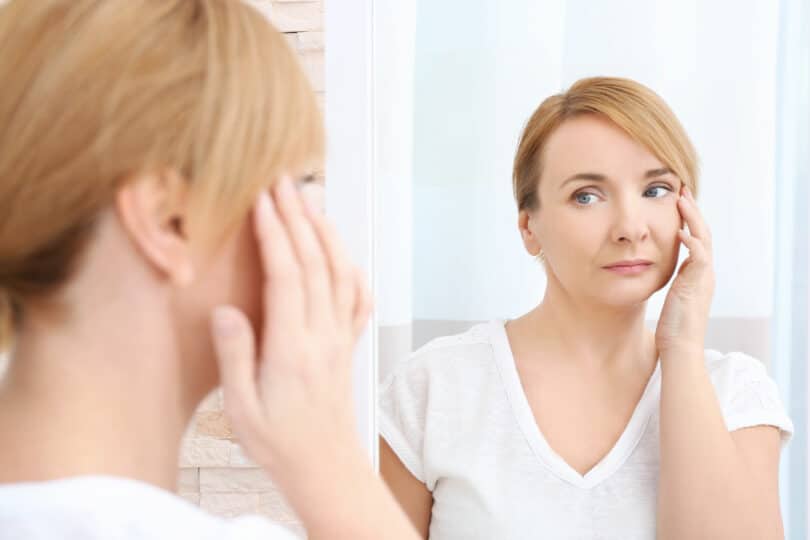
column 590, row 177
column 654, row 173
column 596, row 177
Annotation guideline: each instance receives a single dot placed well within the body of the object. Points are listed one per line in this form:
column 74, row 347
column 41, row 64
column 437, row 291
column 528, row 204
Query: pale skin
column 108, row 372
column 585, row 348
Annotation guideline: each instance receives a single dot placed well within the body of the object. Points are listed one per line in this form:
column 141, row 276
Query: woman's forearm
column 706, row 489
column 341, row 497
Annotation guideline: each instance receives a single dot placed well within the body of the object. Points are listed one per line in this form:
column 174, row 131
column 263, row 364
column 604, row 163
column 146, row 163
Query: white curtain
column 792, row 248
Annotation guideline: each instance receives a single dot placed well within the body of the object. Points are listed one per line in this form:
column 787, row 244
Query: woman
column 139, row 142
column 574, row 420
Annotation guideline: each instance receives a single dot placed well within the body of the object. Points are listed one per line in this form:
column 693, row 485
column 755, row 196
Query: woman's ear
column 530, row 240
column 153, row 209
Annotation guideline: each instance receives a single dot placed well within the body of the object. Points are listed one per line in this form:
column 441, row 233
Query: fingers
column 697, row 251
column 310, row 281
column 283, row 292
column 353, row 301
column 341, row 270
column 698, row 228
column 235, row 351
column 309, row 253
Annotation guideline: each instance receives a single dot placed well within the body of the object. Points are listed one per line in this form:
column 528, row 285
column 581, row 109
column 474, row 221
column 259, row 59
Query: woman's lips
column 629, row 268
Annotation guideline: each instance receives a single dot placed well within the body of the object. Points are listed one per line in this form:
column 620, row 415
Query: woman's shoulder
column 477, row 336
column 463, row 350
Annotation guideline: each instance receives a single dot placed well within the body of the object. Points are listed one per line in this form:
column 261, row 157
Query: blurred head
column 136, row 136
column 596, row 178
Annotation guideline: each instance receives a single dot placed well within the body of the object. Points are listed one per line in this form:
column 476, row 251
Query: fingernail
column 224, row 322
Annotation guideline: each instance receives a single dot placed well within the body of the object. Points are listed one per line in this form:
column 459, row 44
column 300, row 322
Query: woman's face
column 607, row 221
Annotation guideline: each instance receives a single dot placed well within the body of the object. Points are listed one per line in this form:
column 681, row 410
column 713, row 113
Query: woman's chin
column 623, row 297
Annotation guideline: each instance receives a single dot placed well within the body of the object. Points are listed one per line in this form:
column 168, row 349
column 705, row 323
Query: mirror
column 455, row 83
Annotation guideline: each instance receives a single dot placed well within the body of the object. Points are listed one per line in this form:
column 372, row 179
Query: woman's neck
column 94, row 398
column 596, row 336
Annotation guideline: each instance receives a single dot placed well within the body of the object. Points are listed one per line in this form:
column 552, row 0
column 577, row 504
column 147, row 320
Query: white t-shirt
column 456, row 415
column 112, row 508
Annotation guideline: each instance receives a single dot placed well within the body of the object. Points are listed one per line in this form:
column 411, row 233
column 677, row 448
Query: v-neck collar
column 617, row 455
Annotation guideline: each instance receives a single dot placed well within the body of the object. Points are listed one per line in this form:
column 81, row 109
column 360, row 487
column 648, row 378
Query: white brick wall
column 216, row 474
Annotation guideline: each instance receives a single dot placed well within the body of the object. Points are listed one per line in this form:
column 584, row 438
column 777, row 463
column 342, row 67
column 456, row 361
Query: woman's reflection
column 574, row 420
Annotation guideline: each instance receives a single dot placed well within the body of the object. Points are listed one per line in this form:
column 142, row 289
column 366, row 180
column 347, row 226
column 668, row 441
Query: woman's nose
column 629, row 223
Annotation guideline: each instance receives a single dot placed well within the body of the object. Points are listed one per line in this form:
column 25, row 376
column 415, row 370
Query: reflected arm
column 412, row 495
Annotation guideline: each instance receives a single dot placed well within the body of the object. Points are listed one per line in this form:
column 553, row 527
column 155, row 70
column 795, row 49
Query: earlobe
column 152, row 209
column 530, row 240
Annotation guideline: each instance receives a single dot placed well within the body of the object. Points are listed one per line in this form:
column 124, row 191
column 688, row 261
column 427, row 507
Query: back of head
column 98, row 91
column 633, row 107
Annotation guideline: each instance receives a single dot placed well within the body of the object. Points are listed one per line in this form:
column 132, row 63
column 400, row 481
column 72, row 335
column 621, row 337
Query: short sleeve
column 748, row 395
column 403, row 403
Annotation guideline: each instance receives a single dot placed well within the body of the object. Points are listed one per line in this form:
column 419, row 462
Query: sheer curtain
column 792, row 245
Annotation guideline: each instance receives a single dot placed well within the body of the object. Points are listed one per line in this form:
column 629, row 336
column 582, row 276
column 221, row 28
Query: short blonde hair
column 633, row 107
column 97, row 91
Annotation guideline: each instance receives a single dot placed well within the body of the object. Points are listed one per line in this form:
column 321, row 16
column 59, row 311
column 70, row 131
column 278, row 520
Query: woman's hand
column 288, row 393
column 683, row 320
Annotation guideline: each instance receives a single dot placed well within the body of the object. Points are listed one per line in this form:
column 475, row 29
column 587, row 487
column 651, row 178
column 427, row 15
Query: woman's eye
column 657, row 191
column 585, row 199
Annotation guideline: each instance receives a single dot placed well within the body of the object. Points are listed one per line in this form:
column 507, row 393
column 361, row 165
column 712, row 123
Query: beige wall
column 214, row 473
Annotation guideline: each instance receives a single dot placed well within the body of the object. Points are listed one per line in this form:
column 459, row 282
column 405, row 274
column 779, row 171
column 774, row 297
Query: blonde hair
column 97, row 91
column 633, row 107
